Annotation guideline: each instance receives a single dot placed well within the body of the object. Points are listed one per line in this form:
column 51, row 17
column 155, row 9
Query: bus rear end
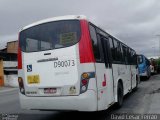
column 56, row 65
column 144, row 66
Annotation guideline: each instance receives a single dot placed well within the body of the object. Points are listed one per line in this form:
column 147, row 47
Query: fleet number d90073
column 66, row 63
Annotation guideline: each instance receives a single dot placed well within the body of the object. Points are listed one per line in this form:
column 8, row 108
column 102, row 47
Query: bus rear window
column 51, row 35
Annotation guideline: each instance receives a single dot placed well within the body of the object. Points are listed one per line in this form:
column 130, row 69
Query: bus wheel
column 119, row 95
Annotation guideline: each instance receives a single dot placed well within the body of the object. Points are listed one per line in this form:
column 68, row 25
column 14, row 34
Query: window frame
column 99, row 44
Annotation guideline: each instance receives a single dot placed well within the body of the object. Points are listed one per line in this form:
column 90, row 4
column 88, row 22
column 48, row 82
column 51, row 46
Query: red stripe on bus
column 19, row 56
column 85, row 45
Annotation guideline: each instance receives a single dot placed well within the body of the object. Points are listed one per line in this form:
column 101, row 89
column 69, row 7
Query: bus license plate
column 50, row 90
column 33, row 79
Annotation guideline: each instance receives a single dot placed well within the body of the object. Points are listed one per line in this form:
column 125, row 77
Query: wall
column 12, row 47
column 11, row 80
column 10, row 70
column 10, row 65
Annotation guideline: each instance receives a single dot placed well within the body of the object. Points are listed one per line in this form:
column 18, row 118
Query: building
column 12, row 47
column 4, row 50
column 8, row 65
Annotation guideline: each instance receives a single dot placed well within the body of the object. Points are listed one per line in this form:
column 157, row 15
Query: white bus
column 68, row 63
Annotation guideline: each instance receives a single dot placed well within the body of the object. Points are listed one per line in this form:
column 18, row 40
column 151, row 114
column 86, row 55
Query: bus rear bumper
column 84, row 102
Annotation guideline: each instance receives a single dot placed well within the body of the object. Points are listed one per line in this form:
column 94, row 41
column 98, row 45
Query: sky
column 135, row 22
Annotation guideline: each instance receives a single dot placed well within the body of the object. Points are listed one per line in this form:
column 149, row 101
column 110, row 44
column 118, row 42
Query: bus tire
column 119, row 95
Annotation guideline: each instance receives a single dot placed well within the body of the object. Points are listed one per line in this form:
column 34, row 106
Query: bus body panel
column 134, row 76
column 105, row 86
column 60, row 74
column 122, row 72
column 84, row 102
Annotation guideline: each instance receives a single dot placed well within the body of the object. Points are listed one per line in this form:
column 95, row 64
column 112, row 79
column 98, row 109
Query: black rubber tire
column 119, row 95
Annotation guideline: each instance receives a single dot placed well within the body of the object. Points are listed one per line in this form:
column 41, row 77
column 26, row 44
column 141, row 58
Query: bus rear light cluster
column 21, row 85
column 85, row 80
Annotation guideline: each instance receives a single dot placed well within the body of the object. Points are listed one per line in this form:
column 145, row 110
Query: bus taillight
column 85, row 77
column 84, row 82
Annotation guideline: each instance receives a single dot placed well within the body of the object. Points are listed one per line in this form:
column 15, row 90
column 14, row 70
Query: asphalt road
column 145, row 100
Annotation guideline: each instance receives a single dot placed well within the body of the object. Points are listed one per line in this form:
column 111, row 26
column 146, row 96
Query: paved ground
column 145, row 100
column 7, row 89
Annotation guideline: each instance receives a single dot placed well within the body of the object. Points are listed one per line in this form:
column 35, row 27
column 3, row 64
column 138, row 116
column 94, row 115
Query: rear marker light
column 104, row 81
column 85, row 75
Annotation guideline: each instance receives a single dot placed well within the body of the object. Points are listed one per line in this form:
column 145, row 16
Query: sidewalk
column 7, row 89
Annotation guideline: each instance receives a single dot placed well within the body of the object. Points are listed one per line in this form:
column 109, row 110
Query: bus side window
column 120, row 53
column 105, row 50
column 117, row 56
column 133, row 57
column 129, row 57
column 125, row 54
column 100, row 44
column 111, row 48
column 94, row 43
column 115, row 50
